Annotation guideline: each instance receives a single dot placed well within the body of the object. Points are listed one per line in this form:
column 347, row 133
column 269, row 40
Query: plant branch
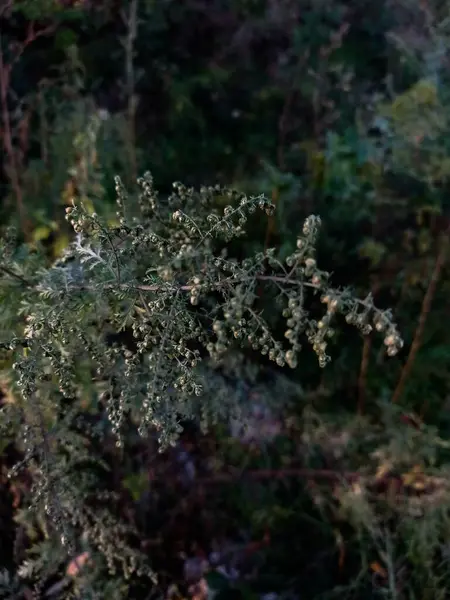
column 15, row 275
column 157, row 287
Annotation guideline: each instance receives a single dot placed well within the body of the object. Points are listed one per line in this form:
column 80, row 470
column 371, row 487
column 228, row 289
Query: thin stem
column 113, row 248
column 5, row 75
column 264, row 278
column 426, row 306
column 263, row 474
column 365, row 360
column 15, row 275
column 391, row 567
column 131, row 22
column 362, row 379
column 8, row 144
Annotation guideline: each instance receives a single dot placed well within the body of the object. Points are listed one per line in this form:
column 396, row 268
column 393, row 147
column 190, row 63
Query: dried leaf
column 77, row 564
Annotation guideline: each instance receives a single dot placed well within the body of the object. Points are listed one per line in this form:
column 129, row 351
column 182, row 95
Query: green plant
column 358, row 97
column 162, row 281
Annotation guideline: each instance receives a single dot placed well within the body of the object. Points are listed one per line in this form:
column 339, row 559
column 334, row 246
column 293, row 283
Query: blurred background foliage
column 334, row 107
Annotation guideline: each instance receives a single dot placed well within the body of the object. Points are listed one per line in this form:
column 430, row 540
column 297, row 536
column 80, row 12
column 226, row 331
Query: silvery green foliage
column 10, row 587
column 166, row 278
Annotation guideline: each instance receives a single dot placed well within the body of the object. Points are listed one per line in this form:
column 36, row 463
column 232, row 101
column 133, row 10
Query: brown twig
column 44, row 145
column 283, row 128
column 362, row 379
column 426, row 306
column 365, row 360
column 263, row 474
column 14, row 158
column 131, row 21
column 15, row 275
column 7, row 136
column 7, row 6
column 271, row 220
column 282, row 132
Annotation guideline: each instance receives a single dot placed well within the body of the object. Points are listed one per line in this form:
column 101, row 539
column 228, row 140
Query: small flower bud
column 389, row 340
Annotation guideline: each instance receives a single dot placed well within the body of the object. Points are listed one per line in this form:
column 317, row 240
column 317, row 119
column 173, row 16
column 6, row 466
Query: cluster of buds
column 393, row 342
column 80, row 220
column 147, row 199
column 267, row 206
column 220, row 346
column 195, row 290
column 317, row 339
column 360, row 321
column 178, row 216
column 331, row 302
column 291, row 359
column 166, row 273
column 71, row 216
column 187, row 383
column 311, row 226
column 392, row 339
column 295, row 320
column 182, row 191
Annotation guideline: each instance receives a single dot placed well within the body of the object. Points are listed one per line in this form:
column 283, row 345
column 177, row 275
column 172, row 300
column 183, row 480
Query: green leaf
column 65, row 38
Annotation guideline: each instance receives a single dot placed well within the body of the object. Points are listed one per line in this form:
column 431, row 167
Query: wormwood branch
column 339, row 294
column 182, row 304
